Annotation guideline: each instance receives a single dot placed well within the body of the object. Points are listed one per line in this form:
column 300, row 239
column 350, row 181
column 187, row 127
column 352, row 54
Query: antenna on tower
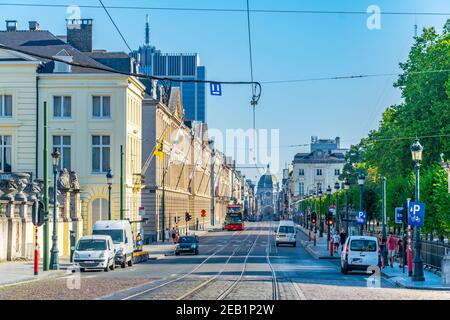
column 415, row 30
column 147, row 31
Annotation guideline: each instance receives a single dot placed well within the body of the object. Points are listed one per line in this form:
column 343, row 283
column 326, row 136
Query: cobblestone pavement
column 235, row 263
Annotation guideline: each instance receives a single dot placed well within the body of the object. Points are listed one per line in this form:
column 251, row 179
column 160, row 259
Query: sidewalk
column 395, row 275
column 320, row 251
column 16, row 272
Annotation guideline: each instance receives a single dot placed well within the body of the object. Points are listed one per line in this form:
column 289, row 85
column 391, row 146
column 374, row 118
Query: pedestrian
column 392, row 242
column 336, row 241
column 139, row 242
column 166, row 235
column 400, row 252
column 383, row 248
column 380, row 240
column 173, row 234
column 342, row 237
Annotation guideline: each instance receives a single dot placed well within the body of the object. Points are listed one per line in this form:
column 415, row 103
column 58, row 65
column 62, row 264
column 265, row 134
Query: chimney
column 34, row 26
column 79, row 34
column 11, row 25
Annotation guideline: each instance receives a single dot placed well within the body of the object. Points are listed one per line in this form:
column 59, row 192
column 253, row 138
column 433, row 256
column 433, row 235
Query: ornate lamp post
column 328, row 213
column 337, row 186
column 361, row 180
column 320, row 213
column 416, row 153
column 54, row 263
column 109, row 178
column 346, row 187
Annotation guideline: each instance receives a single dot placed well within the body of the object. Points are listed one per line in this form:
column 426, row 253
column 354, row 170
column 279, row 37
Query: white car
column 120, row 232
column 94, row 252
column 286, row 233
column 359, row 253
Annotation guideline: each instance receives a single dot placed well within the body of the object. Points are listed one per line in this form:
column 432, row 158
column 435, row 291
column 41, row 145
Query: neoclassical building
column 267, row 194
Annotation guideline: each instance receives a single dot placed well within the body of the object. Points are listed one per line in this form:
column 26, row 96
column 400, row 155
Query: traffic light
column 405, row 214
column 313, row 218
column 188, row 217
column 330, row 219
column 40, row 219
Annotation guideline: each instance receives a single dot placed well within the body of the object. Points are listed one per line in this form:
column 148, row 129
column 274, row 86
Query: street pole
column 54, row 261
column 418, row 274
column 36, row 244
column 361, row 205
column 121, row 183
column 109, row 202
column 346, row 212
column 46, row 200
column 212, row 217
column 321, row 217
column 384, row 236
column 163, row 207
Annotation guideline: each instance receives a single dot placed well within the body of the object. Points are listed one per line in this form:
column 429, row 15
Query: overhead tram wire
column 133, row 74
column 321, row 12
column 115, row 25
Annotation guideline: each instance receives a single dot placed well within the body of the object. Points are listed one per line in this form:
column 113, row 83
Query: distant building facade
column 182, row 66
column 267, row 194
column 319, row 168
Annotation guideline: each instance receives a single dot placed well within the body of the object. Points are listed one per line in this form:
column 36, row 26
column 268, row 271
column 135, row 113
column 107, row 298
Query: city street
column 230, row 266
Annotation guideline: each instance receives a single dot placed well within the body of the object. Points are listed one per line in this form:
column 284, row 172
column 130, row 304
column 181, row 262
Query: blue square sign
column 361, row 217
column 216, row 89
column 416, row 214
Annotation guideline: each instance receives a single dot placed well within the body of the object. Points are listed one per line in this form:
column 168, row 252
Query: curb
column 59, row 274
column 315, row 255
column 405, row 286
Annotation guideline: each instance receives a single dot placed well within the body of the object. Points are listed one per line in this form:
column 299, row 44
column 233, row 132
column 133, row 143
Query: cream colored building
column 91, row 114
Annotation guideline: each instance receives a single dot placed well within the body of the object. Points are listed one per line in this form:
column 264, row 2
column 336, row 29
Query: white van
column 122, row 237
column 94, row 252
column 286, row 233
column 359, row 253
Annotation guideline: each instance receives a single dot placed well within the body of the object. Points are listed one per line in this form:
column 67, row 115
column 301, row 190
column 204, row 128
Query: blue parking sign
column 416, row 214
column 361, row 217
column 215, row 88
column 399, row 215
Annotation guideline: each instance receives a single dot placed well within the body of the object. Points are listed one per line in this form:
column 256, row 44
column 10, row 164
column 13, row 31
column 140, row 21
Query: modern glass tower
column 177, row 66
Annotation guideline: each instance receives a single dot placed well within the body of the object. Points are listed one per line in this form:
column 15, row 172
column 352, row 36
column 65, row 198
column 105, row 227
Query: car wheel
column 177, row 253
column 124, row 263
column 196, row 252
column 106, row 269
column 277, row 244
column 113, row 266
column 130, row 263
column 345, row 269
column 82, row 269
column 295, row 244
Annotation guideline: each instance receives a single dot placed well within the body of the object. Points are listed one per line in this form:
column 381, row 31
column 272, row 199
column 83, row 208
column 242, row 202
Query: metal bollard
column 445, row 270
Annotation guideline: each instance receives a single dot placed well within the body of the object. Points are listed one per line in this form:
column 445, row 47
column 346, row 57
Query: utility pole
column 121, row 183
column 384, row 248
column 46, row 200
column 213, row 159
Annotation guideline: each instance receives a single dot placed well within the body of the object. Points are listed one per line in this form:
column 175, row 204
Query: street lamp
column 337, row 186
column 320, row 213
column 54, row 263
column 361, row 180
column 109, row 178
column 328, row 214
column 416, row 153
column 346, row 187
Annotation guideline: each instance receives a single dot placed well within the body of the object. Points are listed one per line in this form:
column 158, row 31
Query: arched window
column 99, row 210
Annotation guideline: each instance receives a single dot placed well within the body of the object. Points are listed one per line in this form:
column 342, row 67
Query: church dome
column 267, row 180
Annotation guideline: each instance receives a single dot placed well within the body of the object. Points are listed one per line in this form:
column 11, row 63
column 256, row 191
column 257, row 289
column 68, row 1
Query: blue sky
column 285, row 46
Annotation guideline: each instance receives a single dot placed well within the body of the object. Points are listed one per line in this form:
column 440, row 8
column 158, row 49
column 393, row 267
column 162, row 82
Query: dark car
column 187, row 244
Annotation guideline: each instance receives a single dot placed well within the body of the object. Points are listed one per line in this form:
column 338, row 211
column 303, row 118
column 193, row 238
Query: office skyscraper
column 177, row 66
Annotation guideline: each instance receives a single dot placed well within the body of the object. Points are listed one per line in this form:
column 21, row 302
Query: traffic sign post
column 38, row 220
column 203, row 216
column 361, row 218
column 416, row 214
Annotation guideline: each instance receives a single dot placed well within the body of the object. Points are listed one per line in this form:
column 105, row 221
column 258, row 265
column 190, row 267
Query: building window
column 101, row 150
column 101, row 107
column 62, row 107
column 301, row 189
column 337, row 172
column 5, row 106
column 319, row 172
column 63, row 144
column 99, row 210
column 301, row 172
column 5, row 153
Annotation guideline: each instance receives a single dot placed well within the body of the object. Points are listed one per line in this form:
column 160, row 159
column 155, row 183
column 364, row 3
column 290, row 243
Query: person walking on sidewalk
column 392, row 243
column 400, row 252
column 166, row 235
column 336, row 242
column 342, row 237
column 173, row 234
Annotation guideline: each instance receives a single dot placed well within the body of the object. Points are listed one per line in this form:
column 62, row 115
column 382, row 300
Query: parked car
column 94, row 252
column 187, row 244
column 359, row 253
column 286, row 233
column 122, row 237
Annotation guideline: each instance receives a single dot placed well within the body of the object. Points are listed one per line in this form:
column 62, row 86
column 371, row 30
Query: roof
column 45, row 43
column 267, row 181
column 110, row 224
column 96, row 237
column 319, row 156
column 115, row 60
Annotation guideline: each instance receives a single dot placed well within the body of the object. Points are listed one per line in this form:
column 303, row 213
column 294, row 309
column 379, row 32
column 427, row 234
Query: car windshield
column 286, row 229
column 91, row 245
column 186, row 240
column 363, row 245
column 116, row 234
